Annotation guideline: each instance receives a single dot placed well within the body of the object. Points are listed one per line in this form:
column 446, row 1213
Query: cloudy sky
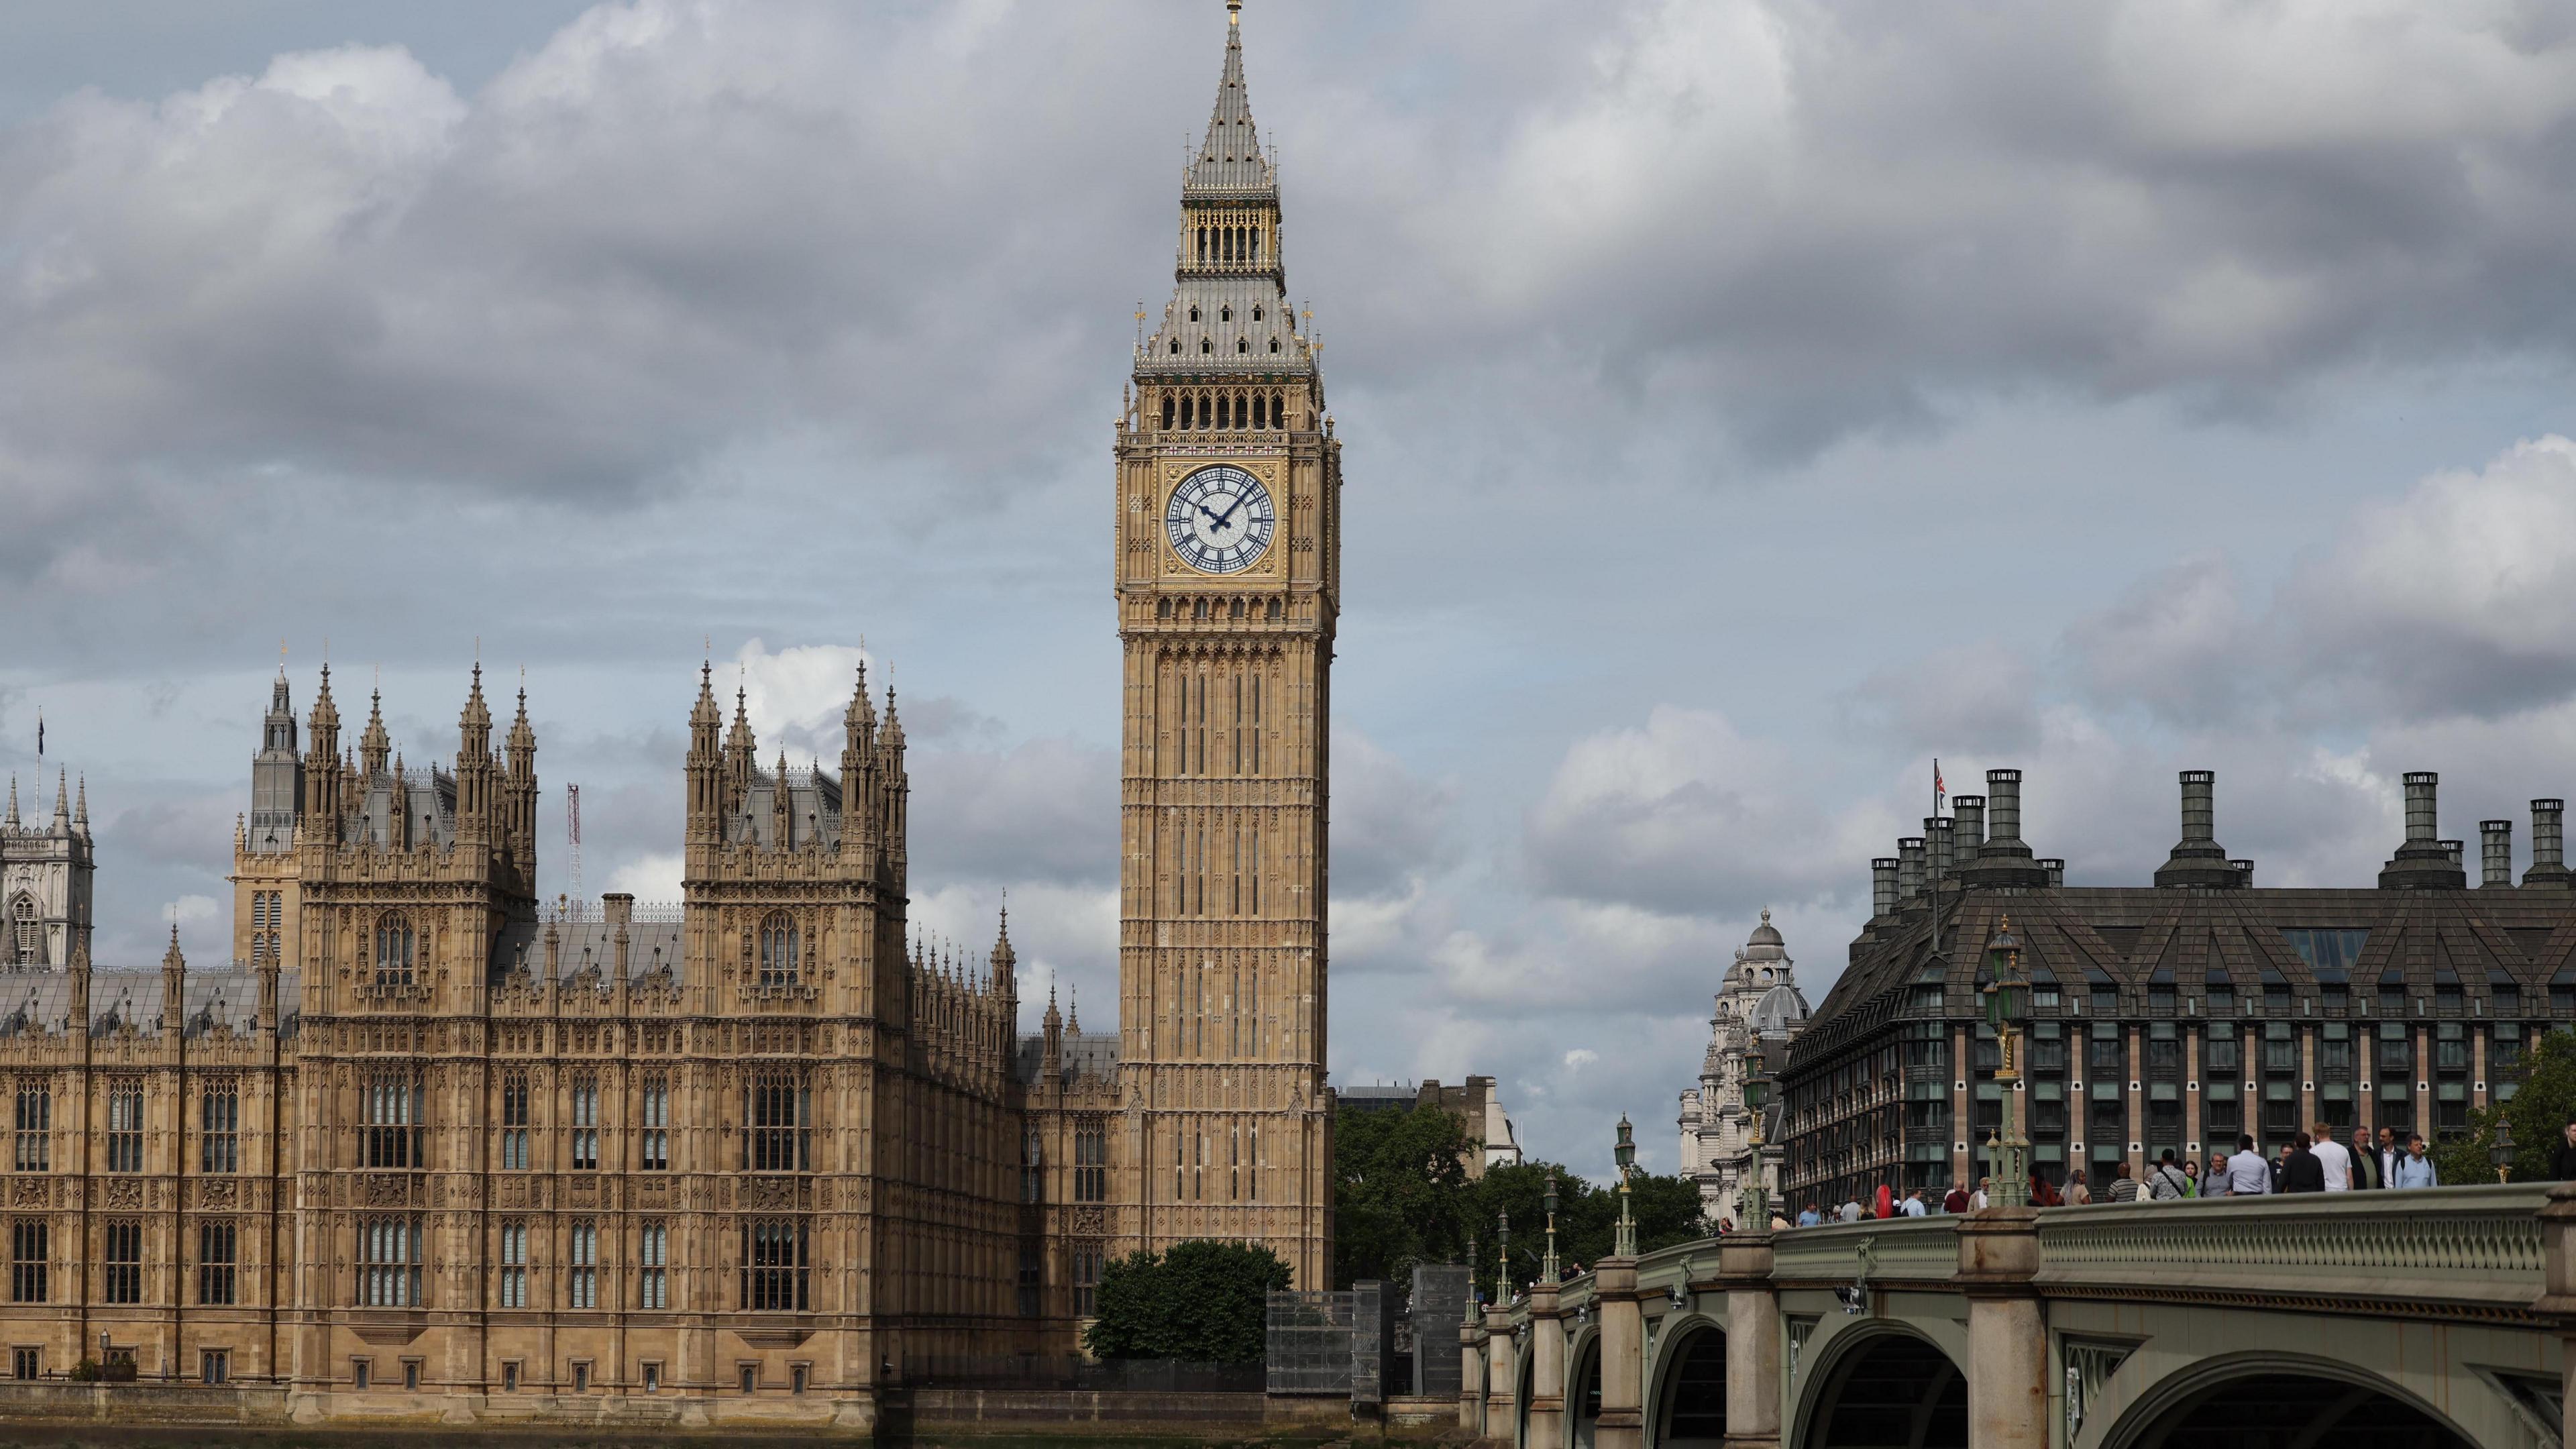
column 1745, row 402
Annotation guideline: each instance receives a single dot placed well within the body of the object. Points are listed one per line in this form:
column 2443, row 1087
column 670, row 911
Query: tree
column 2539, row 1112
column 1202, row 1302
column 1399, row 1192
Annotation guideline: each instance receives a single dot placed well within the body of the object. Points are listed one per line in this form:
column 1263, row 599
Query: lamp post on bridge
column 1753, row 1212
column 1503, row 1256
column 2006, row 991
column 1547, row 1268
column 1624, row 1245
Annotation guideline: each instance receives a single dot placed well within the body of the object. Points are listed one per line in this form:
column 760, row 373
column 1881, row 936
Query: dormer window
column 1256, row 314
column 1176, row 347
column 1225, row 314
column 1206, row 348
column 1194, row 314
column 1274, row 345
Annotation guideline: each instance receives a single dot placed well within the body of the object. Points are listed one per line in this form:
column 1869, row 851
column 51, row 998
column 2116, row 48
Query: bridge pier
column 1547, row 1367
column 1501, row 1383
column 1752, row 1341
column 1471, row 1376
column 1623, row 1352
column 2007, row 1329
column 2558, row 1293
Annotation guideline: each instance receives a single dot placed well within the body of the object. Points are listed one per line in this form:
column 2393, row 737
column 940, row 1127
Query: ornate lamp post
column 1753, row 1214
column 2501, row 1154
column 1503, row 1256
column 1625, row 1244
column 2006, row 991
column 1549, row 1269
column 1475, row 1246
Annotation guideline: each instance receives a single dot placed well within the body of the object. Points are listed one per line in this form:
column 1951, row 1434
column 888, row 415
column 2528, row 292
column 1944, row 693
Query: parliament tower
column 1228, row 586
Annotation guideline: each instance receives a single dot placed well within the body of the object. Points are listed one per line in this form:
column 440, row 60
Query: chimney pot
column 617, row 908
column 2199, row 805
column 1882, row 887
column 2198, row 860
column 2495, row 852
column 2548, row 846
column 2420, row 813
column 2244, row 872
column 1967, row 829
column 2003, row 861
column 1909, row 868
column 2056, row 871
column 1936, row 849
column 2458, row 851
column 2424, row 862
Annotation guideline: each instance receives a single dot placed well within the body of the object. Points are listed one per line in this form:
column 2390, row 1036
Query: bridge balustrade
column 2099, row 1327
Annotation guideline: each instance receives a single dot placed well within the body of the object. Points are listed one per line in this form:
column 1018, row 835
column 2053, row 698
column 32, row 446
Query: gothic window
column 34, row 1121
column 585, row 1123
column 1086, row 1282
column 123, row 1260
column 1030, row 1280
column 779, row 1117
column 395, row 1104
column 30, row 1259
column 653, row 1256
column 1168, row 400
column 1030, row 1165
column 778, row 950
column 773, row 1264
column 389, row 1276
column 514, row 1264
column 394, row 951
column 216, row 1246
column 582, row 1285
column 1090, row 1160
column 219, row 1127
column 514, row 1122
column 26, row 933
column 656, row 1135
column 125, row 1125
column 1260, row 411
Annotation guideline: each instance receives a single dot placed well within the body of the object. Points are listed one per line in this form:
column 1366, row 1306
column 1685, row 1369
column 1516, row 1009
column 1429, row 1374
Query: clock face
column 1220, row 520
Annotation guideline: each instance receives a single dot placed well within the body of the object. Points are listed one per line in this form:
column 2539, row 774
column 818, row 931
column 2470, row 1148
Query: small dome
column 1780, row 1009
column 1765, row 943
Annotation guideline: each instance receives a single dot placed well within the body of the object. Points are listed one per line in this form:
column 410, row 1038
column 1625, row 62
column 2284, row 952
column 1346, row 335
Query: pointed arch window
column 26, row 932
column 396, row 946
column 780, row 950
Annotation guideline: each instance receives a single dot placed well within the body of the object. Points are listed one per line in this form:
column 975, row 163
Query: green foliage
column 1399, row 1192
column 1201, row 1302
column 2538, row 1112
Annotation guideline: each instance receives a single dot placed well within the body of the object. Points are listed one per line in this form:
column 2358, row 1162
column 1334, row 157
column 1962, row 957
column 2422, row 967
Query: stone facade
column 44, row 882
column 1759, row 1000
column 2178, row 1015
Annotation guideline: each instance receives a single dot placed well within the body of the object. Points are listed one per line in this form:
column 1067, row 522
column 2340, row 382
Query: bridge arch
column 1882, row 1385
column 1686, row 1393
column 1526, row 1384
column 2265, row 1398
column 1582, row 1389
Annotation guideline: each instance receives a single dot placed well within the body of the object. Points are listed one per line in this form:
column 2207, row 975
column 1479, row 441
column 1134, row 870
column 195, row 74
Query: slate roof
column 40, row 1001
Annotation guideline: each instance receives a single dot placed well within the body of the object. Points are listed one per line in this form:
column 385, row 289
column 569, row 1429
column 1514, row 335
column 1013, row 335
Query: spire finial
column 1234, row 12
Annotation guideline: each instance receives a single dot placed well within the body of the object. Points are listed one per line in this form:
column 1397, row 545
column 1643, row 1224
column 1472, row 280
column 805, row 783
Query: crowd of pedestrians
column 2312, row 1161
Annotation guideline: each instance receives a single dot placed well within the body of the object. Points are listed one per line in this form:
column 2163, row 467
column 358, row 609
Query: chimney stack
column 2056, row 871
column 2495, row 852
column 2244, row 872
column 2004, row 861
column 2423, row 862
column 1882, row 887
column 2458, row 851
column 1936, row 850
column 2548, row 847
column 1909, row 869
column 1967, row 829
column 2198, row 859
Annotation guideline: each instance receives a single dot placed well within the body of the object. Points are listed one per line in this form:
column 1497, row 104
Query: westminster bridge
column 2423, row 1319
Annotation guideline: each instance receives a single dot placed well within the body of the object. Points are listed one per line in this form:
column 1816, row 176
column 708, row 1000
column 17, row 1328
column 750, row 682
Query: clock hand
column 1231, row 507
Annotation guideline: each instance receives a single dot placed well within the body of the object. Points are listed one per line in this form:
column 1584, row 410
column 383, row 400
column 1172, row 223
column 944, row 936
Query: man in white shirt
column 1913, row 1205
column 2333, row 1156
column 2248, row 1175
column 1977, row 1200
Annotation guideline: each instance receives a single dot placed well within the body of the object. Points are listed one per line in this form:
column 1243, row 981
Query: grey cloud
column 2178, row 642
column 1981, row 696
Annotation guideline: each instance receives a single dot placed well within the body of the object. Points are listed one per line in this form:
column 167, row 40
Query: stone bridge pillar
column 2007, row 1329
column 1752, row 1341
column 1623, row 1352
column 1547, row 1367
column 1501, row 1382
column 2558, row 1292
column 1471, row 1376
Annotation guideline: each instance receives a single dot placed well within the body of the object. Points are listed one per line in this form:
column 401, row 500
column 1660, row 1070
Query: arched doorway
column 1690, row 1403
column 2292, row 1411
column 1893, row 1391
column 1583, row 1395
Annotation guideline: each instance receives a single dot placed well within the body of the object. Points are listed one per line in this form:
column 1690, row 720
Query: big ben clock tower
column 1228, row 584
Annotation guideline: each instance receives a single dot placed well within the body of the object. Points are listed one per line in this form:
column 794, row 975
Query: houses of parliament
column 423, row 1144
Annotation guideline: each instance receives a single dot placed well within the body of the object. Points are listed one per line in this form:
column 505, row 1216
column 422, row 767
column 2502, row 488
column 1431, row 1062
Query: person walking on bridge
column 2367, row 1171
column 2301, row 1171
column 1957, row 1201
column 2415, row 1169
column 2123, row 1188
column 2168, row 1182
column 2248, row 1175
column 2562, row 1156
column 2333, row 1156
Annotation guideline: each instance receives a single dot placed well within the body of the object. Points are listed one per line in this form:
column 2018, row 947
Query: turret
column 79, row 993
column 322, row 762
column 80, row 810
column 859, row 775
column 474, row 766
column 62, row 805
column 1051, row 1053
column 174, row 984
column 373, row 744
column 706, row 761
column 520, row 786
column 896, row 786
column 1005, row 961
column 740, row 757
column 782, row 809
